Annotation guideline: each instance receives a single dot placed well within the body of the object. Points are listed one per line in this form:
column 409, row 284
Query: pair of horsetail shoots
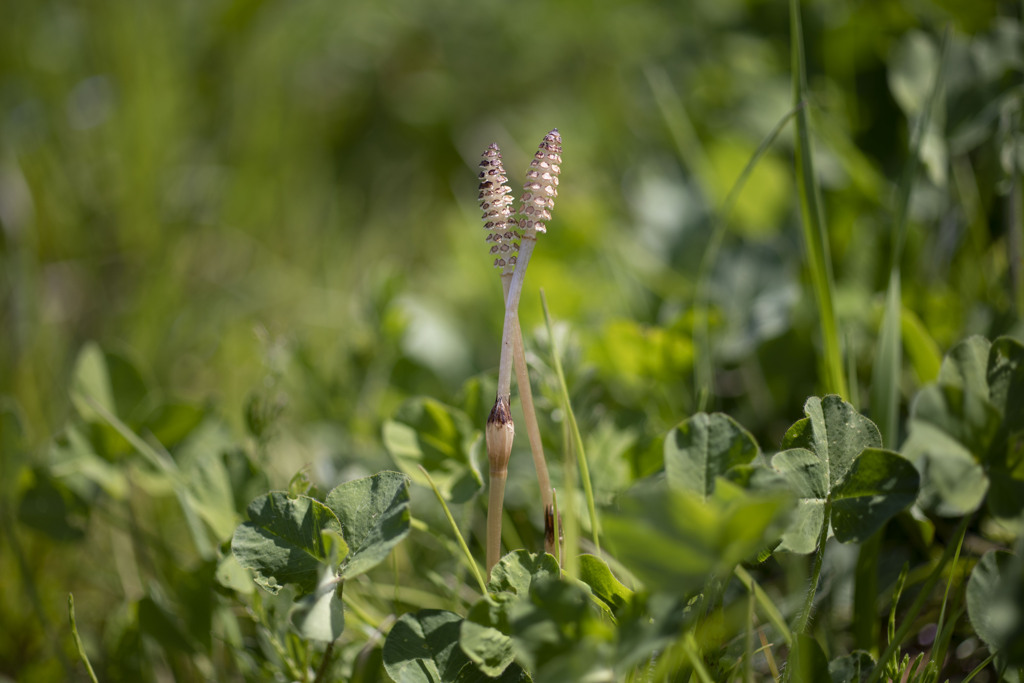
column 512, row 240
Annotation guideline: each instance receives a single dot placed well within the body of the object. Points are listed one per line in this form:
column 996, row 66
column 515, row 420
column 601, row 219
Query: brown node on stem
column 499, row 434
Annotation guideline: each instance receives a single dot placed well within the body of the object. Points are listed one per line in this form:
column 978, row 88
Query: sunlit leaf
column 822, row 450
column 283, row 543
column 805, row 473
column 595, row 572
column 835, row 432
column 374, row 516
column 518, row 569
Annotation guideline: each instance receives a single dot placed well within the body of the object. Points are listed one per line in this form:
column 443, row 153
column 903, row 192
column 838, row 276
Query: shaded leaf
column 424, row 648
column 704, row 447
column 74, row 462
column 207, row 480
column 995, row 604
column 674, row 540
column 484, row 635
column 374, row 516
column 966, row 366
column 321, row 614
column 878, row 486
column 1005, row 373
column 47, row 506
column 952, row 483
column 967, row 416
column 442, row 439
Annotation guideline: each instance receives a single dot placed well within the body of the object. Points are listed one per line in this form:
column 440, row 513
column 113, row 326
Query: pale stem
column 495, row 501
column 515, row 290
column 530, row 414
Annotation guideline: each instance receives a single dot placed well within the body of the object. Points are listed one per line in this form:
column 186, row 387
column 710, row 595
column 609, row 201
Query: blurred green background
column 271, row 200
column 178, row 175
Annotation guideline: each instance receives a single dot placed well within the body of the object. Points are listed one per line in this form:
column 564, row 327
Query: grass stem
column 78, row 639
column 767, row 606
column 458, row 534
column 819, row 261
column 581, row 455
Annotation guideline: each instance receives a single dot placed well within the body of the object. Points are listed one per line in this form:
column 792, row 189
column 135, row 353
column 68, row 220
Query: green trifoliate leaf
column 967, row 431
column 283, row 541
column 374, row 517
column 705, row 447
column 835, row 432
column 838, row 471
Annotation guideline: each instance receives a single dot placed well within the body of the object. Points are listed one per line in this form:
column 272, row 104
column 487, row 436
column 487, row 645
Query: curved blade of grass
column 767, row 606
column 941, row 642
column 458, row 535
column 819, row 262
column 888, row 368
column 78, row 640
column 581, row 456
